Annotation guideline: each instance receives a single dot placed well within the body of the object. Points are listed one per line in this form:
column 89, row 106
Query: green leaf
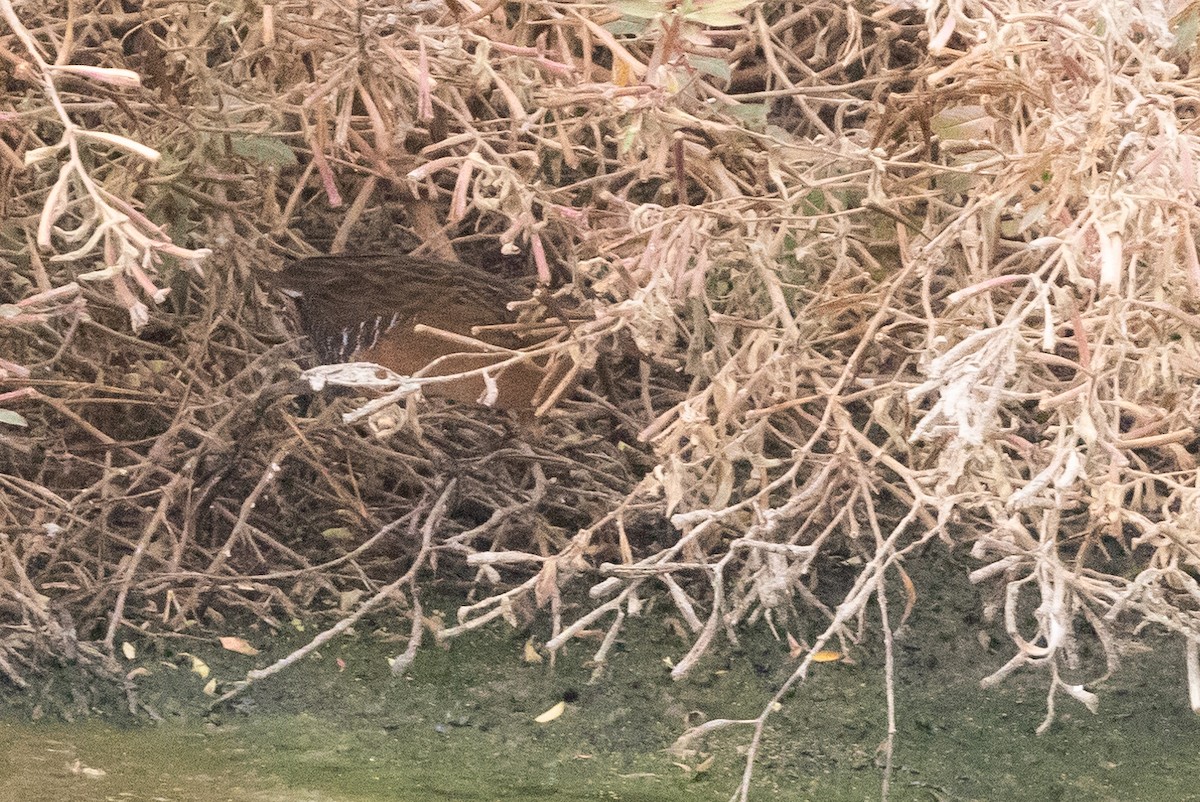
column 753, row 115
column 630, row 136
column 710, row 65
column 715, row 19
column 264, row 150
column 12, row 418
column 716, row 13
column 1187, row 28
column 730, row 6
column 626, row 27
column 639, row 9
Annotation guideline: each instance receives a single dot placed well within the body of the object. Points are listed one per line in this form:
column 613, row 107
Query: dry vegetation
column 896, row 274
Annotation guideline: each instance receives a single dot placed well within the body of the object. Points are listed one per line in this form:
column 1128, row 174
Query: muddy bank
column 461, row 724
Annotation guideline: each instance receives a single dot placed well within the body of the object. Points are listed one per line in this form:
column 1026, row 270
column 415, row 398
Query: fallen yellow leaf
column 238, row 645
column 552, row 713
column 622, row 75
column 198, row 666
column 826, row 656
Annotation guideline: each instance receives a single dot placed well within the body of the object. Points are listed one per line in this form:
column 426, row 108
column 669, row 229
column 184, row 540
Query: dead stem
column 821, row 275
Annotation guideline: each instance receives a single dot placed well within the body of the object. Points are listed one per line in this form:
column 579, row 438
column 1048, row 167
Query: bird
column 364, row 308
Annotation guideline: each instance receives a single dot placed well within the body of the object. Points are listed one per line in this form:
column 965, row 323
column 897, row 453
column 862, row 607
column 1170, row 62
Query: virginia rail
column 364, row 307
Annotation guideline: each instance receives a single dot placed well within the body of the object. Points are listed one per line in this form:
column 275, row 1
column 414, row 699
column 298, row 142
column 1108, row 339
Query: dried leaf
column 963, row 122
column 547, row 583
column 110, row 75
column 1081, row 694
column 910, row 594
column 199, row 667
column 238, row 645
column 552, row 713
column 124, row 143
